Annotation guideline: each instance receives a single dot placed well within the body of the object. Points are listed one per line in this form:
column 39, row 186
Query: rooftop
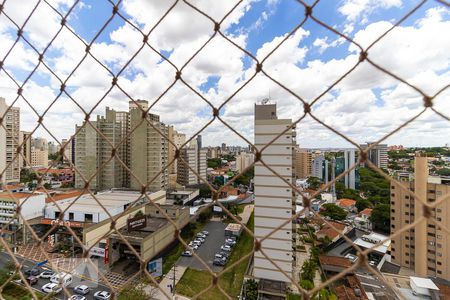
column 18, row 195
column 366, row 211
column 327, row 230
column 370, row 240
column 153, row 225
column 64, row 195
column 425, row 283
column 346, row 202
column 109, row 200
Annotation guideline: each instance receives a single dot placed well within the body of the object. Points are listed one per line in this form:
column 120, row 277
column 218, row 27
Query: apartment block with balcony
column 426, row 248
column 9, row 142
column 274, row 199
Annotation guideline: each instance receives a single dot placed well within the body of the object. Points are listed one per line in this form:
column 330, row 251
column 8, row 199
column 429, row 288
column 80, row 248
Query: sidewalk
column 166, row 283
column 245, row 215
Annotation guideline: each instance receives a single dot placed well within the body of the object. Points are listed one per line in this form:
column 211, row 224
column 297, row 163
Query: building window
column 406, row 253
column 406, row 221
column 393, row 187
column 88, row 218
column 393, row 195
column 431, row 226
column 432, row 269
column 393, row 210
column 431, row 234
column 407, row 262
column 439, row 272
column 407, row 213
column 439, row 263
column 392, row 218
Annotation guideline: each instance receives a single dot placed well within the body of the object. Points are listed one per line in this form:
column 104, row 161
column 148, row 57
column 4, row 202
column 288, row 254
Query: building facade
column 378, row 155
column 320, row 168
column 244, row 160
column 185, row 173
column 86, row 155
column 9, row 142
column 25, row 141
column 274, row 199
column 426, row 248
column 149, row 149
column 39, row 152
column 303, row 163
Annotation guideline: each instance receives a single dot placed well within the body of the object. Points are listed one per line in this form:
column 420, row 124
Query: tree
column 313, row 182
column 136, row 292
column 214, row 163
column 333, row 211
column 47, row 186
column 205, row 192
column 362, row 204
column 443, row 172
column 307, row 284
column 381, row 217
column 245, row 177
column 251, row 289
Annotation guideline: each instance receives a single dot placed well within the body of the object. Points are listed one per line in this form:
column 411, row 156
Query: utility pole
column 173, row 284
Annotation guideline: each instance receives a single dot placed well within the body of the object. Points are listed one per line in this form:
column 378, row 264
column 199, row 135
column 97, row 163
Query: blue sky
column 307, row 66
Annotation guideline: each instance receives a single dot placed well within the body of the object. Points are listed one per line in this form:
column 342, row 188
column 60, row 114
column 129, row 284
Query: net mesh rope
column 216, row 24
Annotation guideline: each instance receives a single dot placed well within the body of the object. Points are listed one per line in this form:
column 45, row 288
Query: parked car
column 32, row 280
column 46, row 274
column 197, row 242
column 186, row 253
column 218, row 262
column 205, row 232
column 77, row 297
column 51, row 288
column 225, row 253
column 202, row 240
column 225, row 248
column 230, row 241
column 102, row 295
column 32, row 272
column 62, row 278
column 218, row 256
column 201, row 235
column 81, row 289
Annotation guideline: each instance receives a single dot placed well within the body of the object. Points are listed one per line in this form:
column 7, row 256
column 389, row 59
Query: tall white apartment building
column 274, row 199
column 202, row 164
column 349, row 160
column 9, row 141
column 185, row 175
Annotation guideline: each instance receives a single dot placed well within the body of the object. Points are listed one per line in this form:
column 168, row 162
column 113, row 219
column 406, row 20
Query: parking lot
column 210, row 247
column 94, row 286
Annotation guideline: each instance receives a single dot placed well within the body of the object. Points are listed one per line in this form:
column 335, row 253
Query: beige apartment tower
column 273, row 197
column 303, row 163
column 149, row 149
column 9, row 141
column 426, row 248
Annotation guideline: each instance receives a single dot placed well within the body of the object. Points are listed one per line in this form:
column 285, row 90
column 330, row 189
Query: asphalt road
column 210, row 247
column 5, row 258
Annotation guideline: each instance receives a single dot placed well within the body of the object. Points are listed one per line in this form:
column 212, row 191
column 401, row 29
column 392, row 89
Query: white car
column 81, row 289
column 225, row 248
column 77, row 297
column 51, row 288
column 197, row 242
column 201, row 235
column 102, row 295
column 46, row 274
column 205, row 232
column 202, row 240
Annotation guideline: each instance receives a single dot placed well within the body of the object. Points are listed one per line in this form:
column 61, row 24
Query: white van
column 62, row 278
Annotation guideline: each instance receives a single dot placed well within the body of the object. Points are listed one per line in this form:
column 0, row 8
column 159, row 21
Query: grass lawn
column 194, row 281
column 15, row 292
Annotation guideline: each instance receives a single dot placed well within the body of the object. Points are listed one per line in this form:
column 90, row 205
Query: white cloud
column 366, row 105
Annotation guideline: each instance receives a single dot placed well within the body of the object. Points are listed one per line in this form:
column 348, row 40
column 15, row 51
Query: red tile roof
column 18, row 195
column 334, row 261
column 366, row 211
column 326, row 230
column 346, row 202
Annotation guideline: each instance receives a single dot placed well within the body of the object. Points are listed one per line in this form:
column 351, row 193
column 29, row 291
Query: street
column 94, row 286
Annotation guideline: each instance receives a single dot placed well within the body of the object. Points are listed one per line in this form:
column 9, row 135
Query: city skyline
column 364, row 106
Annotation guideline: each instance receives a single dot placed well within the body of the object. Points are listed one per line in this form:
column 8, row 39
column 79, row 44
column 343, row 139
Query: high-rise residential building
column 303, row 163
column 349, row 161
column 194, row 159
column 274, row 199
column 244, row 160
column 68, row 150
column 202, row 164
column 93, row 153
column 320, row 168
column 199, row 141
column 86, row 154
column 25, row 141
column 39, row 152
column 212, row 152
column 425, row 249
column 10, row 143
column 178, row 139
column 185, row 173
column 378, row 155
column 149, row 150
column 52, row 148
column 224, row 147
